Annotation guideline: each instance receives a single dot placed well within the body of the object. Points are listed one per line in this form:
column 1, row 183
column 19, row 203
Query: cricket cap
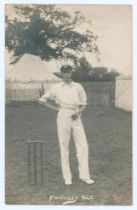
column 66, row 69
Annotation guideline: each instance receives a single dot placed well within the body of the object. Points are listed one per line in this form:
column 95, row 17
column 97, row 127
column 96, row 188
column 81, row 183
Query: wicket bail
column 35, row 163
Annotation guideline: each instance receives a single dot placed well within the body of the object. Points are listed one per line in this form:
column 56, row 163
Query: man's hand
column 42, row 101
column 75, row 116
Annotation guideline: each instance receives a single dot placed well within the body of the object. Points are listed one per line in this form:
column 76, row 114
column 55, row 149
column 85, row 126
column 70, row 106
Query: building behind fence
column 98, row 93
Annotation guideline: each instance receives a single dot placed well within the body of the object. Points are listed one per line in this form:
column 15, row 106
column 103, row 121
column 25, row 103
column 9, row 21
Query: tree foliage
column 46, row 30
column 103, row 74
column 86, row 73
column 83, row 67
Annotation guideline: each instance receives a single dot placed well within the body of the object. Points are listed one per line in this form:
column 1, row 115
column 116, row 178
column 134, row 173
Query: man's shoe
column 68, row 182
column 88, row 181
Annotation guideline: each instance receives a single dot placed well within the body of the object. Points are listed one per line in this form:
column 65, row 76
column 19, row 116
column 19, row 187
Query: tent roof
column 31, row 68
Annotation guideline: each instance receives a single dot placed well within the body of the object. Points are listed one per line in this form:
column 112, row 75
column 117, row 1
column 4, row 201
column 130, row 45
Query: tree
column 83, row 67
column 86, row 73
column 46, row 31
column 100, row 73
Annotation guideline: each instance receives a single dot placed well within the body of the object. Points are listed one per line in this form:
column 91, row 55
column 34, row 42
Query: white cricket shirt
column 67, row 95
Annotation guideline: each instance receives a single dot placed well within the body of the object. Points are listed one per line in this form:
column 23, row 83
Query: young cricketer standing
column 72, row 100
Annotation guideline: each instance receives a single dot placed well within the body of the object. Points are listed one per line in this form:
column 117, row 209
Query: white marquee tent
column 123, row 93
column 27, row 78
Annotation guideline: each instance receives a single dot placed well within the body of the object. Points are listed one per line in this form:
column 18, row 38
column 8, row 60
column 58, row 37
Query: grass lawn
column 110, row 157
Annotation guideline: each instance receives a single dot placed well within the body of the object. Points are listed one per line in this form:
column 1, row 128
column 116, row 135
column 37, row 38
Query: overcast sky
column 113, row 25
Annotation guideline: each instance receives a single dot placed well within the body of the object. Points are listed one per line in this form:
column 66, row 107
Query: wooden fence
column 98, row 94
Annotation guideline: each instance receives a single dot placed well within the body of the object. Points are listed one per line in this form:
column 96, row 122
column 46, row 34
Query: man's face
column 67, row 76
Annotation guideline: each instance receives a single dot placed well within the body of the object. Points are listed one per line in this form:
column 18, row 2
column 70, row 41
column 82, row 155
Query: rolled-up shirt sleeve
column 49, row 94
column 82, row 95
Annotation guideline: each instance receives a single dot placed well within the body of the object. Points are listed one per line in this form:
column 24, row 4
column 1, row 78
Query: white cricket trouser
column 65, row 126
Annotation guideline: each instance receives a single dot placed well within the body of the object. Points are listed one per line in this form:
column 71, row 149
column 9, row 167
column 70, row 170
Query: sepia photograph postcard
column 68, row 104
